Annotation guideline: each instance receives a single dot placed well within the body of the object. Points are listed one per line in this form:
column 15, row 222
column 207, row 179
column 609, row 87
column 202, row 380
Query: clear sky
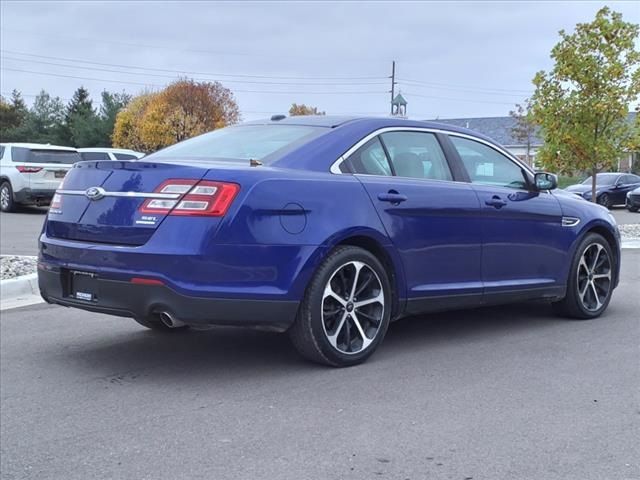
column 453, row 59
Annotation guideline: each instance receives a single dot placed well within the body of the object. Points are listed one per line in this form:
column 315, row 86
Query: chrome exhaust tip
column 170, row 321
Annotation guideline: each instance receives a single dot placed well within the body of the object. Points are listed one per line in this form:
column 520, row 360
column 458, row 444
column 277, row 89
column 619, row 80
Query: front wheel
column 345, row 311
column 605, row 200
column 591, row 280
column 632, row 209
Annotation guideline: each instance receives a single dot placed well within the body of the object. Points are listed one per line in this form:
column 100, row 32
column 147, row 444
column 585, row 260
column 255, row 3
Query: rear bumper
column 29, row 196
column 126, row 299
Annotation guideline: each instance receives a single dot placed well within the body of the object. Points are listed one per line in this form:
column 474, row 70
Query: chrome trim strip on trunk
column 166, row 196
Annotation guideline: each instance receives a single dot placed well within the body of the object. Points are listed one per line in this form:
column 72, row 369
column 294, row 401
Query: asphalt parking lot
column 510, row 392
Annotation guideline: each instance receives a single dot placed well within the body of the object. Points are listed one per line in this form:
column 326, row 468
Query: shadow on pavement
column 233, row 353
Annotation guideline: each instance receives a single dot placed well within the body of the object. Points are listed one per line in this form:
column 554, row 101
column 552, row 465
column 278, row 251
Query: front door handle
column 392, row 197
column 495, row 202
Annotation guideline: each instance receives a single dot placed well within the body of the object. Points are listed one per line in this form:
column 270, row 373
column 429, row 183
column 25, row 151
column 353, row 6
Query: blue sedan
column 611, row 188
column 327, row 228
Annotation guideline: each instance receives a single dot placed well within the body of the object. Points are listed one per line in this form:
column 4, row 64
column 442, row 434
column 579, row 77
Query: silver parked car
column 30, row 173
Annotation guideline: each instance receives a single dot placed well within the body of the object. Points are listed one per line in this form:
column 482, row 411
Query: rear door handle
column 392, row 197
column 495, row 202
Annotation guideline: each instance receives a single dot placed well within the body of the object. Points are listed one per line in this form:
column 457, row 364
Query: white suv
column 100, row 153
column 31, row 172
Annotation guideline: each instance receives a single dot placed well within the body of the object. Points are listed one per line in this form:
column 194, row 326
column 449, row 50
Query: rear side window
column 28, row 155
column 95, row 156
column 416, row 155
column 488, row 166
column 241, row 143
column 125, row 156
column 370, row 159
column 1, row 151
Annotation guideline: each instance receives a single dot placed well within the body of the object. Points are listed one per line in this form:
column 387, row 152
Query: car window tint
column 416, row 155
column 241, row 143
column 630, row 179
column 124, row 156
column 26, row 155
column 95, row 156
column 1, row 151
column 370, row 159
column 488, row 166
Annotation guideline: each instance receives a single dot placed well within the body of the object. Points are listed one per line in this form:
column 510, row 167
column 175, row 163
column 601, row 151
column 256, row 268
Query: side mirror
column 545, row 181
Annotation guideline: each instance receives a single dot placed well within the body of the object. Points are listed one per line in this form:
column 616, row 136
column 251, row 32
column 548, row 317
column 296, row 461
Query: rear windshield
column 30, row 155
column 241, row 143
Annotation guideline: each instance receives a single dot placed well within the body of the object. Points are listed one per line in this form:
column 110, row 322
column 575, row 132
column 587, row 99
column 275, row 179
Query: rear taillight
column 56, row 201
column 204, row 198
column 25, row 169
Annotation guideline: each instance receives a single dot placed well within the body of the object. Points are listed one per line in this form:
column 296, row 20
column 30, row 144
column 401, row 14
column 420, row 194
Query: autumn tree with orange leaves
column 182, row 110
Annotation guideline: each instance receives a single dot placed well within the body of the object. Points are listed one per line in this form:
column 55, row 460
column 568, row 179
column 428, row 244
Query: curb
column 629, row 244
column 19, row 291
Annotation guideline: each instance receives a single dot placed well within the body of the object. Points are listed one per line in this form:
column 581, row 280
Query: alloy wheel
column 4, row 197
column 352, row 307
column 594, row 277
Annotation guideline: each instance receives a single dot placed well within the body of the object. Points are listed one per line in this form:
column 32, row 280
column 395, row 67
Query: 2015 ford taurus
column 325, row 227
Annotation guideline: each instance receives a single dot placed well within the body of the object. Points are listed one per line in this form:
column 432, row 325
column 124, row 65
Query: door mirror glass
column 546, row 181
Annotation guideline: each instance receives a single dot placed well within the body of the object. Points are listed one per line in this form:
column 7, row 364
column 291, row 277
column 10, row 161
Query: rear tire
column 7, row 203
column 346, row 309
column 632, row 209
column 590, row 284
column 153, row 323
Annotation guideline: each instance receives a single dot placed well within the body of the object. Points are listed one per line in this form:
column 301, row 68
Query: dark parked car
column 611, row 188
column 325, row 227
column 633, row 200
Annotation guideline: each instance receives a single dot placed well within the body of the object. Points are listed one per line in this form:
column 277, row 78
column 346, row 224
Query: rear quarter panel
column 311, row 211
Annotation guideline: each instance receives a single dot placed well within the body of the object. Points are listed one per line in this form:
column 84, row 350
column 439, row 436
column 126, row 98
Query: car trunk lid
column 100, row 201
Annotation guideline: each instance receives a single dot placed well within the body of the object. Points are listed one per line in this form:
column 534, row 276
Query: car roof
column 328, row 121
column 334, row 121
column 38, row 146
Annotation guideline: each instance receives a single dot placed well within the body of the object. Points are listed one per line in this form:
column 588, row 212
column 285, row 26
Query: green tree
column 524, row 128
column 582, row 103
column 82, row 127
column 45, row 121
column 302, row 109
column 13, row 114
column 112, row 103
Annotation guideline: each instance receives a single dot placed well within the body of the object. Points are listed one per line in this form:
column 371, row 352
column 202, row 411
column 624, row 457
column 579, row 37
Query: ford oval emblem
column 95, row 193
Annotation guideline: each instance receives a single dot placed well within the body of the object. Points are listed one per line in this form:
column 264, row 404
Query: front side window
column 488, row 166
column 416, row 155
column 370, row 159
